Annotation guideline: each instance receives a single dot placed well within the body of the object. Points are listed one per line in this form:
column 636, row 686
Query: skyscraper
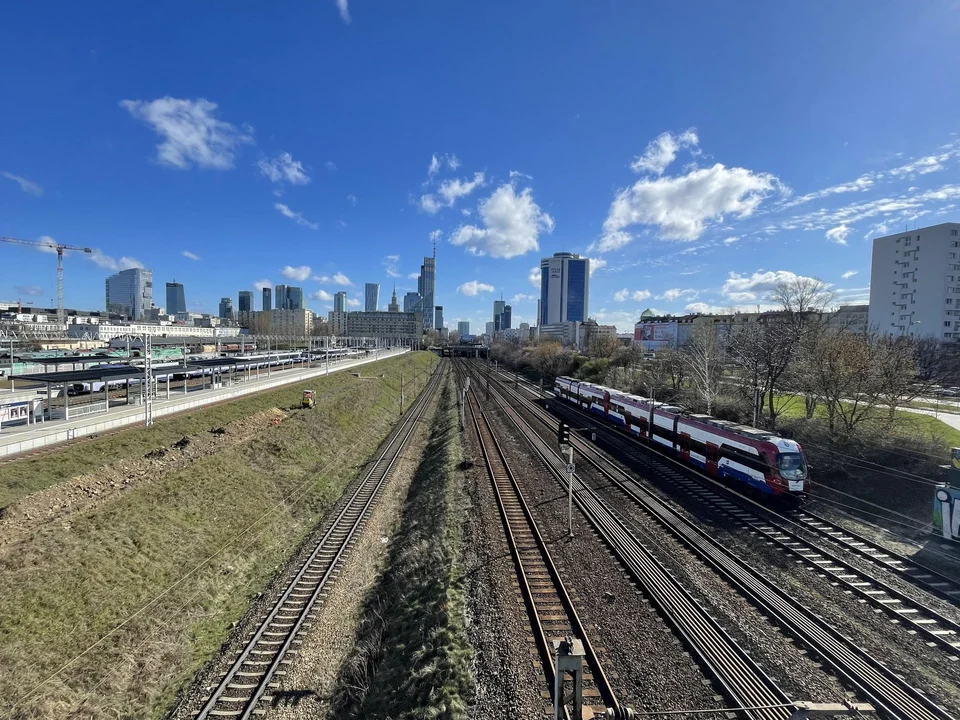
column 267, row 305
column 245, row 301
column 426, row 286
column 412, row 302
column 463, row 327
column 226, row 308
column 294, row 298
column 130, row 293
column 564, row 288
column 280, row 297
column 498, row 306
column 394, row 305
column 176, row 303
column 371, row 292
column 340, row 302
column 438, row 317
column 506, row 318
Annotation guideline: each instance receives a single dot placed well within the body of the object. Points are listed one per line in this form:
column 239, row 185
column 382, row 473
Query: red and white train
column 722, row 448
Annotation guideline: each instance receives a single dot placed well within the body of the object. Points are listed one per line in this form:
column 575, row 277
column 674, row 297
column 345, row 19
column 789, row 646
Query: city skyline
column 690, row 207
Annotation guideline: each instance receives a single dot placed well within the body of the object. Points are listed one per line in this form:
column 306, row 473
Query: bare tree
column 763, row 351
column 549, row 359
column 704, row 354
column 675, row 365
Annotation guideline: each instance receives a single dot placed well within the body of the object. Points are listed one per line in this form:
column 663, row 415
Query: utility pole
column 401, row 392
column 147, row 380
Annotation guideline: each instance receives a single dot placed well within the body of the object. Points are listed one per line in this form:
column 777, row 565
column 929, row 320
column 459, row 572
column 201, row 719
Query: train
column 761, row 460
column 176, row 372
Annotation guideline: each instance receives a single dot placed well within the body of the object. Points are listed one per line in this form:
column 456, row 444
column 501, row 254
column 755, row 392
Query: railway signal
column 563, row 434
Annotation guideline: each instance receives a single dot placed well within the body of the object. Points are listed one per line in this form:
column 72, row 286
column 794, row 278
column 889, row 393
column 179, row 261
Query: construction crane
column 59, row 247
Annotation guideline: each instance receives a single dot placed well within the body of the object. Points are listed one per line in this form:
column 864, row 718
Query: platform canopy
column 87, row 375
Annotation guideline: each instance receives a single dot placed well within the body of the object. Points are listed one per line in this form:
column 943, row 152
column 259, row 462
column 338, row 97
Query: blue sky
column 697, row 154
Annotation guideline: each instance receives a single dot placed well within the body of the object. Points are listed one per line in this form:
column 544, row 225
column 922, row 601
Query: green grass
column 411, row 658
column 237, row 514
column 905, row 423
column 30, row 475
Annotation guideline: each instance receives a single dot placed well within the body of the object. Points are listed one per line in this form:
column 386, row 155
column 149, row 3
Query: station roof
column 88, row 375
column 74, row 360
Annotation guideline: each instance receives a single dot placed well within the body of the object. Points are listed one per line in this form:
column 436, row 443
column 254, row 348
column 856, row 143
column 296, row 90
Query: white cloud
column 437, row 162
column 738, row 286
column 518, row 174
column 676, row 293
column 449, row 192
column 344, row 11
column 662, row 150
column 262, row 285
column 330, row 165
column 434, row 165
column 283, row 168
column 849, row 274
column 701, row 308
column 742, row 296
column 682, row 206
column 390, row 263
column 838, row 234
column 621, row 295
column 466, row 212
column 453, row 162
column 521, row 297
column 189, row 255
column 436, row 234
column 105, row 261
column 534, row 276
column 28, row 186
column 473, row 287
column 321, row 295
column 299, row 274
column 352, row 199
column 31, row 290
column 512, row 225
column 597, row 264
column 730, row 240
column 636, row 295
column 353, row 302
column 338, row 279
column 413, row 276
column 50, row 247
column 192, row 135
column 298, row 217
column 861, row 184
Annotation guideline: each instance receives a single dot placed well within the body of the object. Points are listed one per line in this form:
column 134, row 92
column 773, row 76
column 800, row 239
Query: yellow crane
column 59, row 247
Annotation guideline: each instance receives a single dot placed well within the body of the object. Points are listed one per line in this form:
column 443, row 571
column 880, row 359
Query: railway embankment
column 412, row 656
column 107, row 608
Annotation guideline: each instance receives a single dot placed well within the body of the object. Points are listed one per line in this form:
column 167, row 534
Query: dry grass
column 412, row 657
column 186, row 552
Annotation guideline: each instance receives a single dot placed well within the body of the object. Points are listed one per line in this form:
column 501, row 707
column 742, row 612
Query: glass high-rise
column 438, row 317
column 280, row 297
column 506, row 318
column 130, row 293
column 294, row 298
column 226, row 308
column 498, row 306
column 371, row 297
column 176, row 303
column 463, row 327
column 245, row 301
column 426, row 287
column 267, row 303
column 340, row 302
column 564, row 288
column 412, row 302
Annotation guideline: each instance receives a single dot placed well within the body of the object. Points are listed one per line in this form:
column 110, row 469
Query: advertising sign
column 946, row 512
column 653, row 336
column 17, row 411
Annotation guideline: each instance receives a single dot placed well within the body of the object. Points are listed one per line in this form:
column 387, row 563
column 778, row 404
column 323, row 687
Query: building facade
column 412, row 302
column 384, row 325
column 915, row 283
column 293, row 323
column 850, row 318
column 129, row 293
column 176, row 302
column 294, row 298
column 564, row 288
column 498, row 306
column 280, row 297
column 438, row 317
column 371, row 297
column 226, row 309
column 393, row 306
column 340, row 302
column 267, row 301
column 463, row 327
column 426, row 287
column 506, row 318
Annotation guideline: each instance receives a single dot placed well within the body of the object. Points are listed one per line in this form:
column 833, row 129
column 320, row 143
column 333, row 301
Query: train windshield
column 792, row 466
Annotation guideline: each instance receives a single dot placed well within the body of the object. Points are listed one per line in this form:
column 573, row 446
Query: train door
column 684, row 442
column 713, row 455
column 606, row 405
column 627, row 419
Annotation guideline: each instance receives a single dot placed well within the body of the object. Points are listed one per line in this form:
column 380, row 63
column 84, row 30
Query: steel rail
column 251, row 675
column 743, row 682
column 893, row 696
column 549, row 606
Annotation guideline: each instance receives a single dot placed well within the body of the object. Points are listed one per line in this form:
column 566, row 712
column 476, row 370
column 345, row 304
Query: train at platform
column 754, row 458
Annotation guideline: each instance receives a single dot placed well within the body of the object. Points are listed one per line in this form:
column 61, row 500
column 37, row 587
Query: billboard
column 653, row 336
column 12, row 412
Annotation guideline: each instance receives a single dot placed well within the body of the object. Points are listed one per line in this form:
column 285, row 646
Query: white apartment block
column 915, row 282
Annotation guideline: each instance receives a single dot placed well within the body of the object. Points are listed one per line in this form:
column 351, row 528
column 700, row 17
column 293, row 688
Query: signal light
column 563, row 434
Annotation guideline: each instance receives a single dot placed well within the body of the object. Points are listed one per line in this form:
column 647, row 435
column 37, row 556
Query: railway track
column 550, row 610
column 248, row 682
column 741, row 680
column 890, row 694
column 763, row 518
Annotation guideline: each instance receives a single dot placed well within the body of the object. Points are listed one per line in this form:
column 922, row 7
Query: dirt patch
column 84, row 492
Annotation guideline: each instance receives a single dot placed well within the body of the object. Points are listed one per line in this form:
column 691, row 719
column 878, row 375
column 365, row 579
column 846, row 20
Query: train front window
column 792, row 466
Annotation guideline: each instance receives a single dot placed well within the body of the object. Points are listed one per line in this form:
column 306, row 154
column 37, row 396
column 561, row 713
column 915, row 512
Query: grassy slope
column 412, row 657
column 244, row 509
column 27, row 476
